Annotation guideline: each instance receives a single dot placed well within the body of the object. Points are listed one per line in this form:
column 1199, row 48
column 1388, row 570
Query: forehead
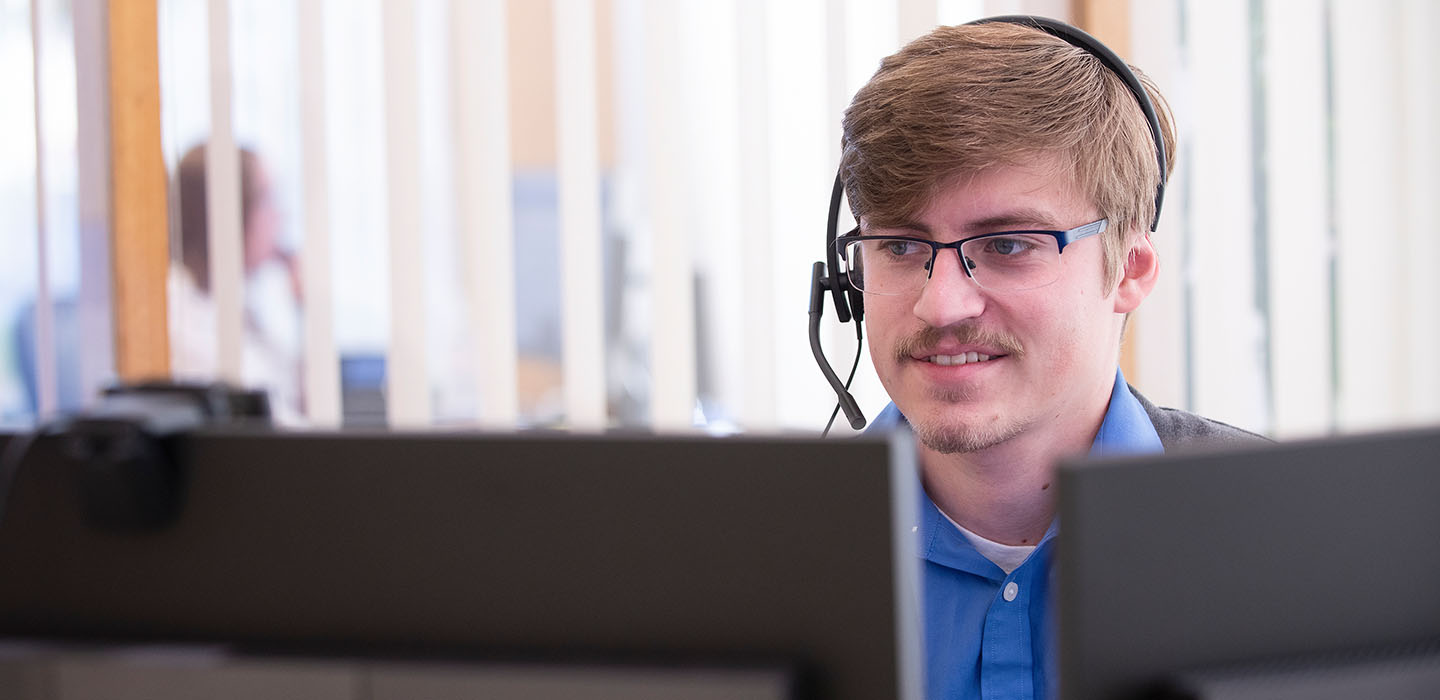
column 1036, row 195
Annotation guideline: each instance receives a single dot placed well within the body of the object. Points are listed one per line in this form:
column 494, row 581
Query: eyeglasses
column 1006, row 261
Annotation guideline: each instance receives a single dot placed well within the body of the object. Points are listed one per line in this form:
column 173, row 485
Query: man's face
column 1053, row 349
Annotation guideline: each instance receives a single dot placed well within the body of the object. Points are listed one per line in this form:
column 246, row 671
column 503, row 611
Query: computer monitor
column 1309, row 569
column 383, row 560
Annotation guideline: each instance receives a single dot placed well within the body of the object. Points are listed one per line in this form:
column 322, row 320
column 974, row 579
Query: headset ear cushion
column 857, row 304
column 842, row 308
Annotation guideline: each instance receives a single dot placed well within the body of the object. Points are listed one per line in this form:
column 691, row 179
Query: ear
column 1142, row 270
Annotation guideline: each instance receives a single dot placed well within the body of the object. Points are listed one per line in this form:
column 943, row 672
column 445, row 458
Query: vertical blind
column 685, row 164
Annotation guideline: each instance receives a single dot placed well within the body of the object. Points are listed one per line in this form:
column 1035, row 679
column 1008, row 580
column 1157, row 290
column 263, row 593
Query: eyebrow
column 1023, row 218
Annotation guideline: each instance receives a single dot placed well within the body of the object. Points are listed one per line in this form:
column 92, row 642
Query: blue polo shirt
column 988, row 635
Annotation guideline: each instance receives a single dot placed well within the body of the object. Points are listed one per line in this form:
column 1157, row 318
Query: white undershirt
column 1006, row 556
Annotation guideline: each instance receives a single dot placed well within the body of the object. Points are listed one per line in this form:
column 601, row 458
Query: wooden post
column 140, row 250
column 1109, row 21
column 1106, row 20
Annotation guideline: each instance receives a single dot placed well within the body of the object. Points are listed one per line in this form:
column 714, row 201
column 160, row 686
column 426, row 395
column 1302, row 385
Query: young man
column 1001, row 351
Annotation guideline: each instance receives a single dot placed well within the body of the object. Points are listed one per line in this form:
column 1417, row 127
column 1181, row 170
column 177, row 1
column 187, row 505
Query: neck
column 1006, row 492
column 1011, row 503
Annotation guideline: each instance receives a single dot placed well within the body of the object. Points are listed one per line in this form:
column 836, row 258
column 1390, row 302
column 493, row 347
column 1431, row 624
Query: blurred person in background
column 273, row 291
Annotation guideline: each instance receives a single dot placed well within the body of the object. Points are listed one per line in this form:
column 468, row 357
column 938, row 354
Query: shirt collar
column 1127, row 428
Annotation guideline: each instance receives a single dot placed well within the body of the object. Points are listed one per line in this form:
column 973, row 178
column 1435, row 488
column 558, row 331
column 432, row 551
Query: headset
column 850, row 302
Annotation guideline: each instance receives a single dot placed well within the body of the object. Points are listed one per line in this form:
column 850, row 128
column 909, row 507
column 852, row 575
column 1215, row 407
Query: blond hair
column 966, row 98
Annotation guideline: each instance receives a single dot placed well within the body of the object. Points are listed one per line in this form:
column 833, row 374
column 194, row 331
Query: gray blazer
column 1181, row 429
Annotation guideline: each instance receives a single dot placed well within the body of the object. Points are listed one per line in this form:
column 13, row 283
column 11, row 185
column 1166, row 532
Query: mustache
column 964, row 333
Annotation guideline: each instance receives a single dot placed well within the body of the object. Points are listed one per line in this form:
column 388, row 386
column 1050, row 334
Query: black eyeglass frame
column 1062, row 239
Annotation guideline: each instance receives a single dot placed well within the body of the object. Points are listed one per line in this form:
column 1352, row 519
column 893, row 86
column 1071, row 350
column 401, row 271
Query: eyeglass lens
column 1009, row 262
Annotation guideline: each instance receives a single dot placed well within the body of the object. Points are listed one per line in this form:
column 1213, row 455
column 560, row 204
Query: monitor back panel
column 675, row 549
column 1214, row 558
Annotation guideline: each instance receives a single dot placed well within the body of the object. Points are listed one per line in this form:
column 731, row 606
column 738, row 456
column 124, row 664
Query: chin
column 950, row 437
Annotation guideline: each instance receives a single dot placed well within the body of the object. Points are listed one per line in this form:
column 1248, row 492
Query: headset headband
column 1079, row 39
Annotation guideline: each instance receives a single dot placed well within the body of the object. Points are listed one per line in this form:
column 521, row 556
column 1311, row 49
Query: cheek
column 1079, row 337
column 884, row 316
column 884, row 326
column 880, row 340
column 1054, row 334
column 882, row 352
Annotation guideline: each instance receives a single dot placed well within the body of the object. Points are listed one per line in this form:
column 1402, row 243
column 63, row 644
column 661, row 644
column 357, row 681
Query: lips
column 963, row 358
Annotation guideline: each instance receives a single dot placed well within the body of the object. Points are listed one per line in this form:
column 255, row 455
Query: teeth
column 961, row 359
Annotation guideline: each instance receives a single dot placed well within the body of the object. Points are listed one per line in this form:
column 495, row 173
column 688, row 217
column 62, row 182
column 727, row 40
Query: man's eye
column 1007, row 246
column 902, row 248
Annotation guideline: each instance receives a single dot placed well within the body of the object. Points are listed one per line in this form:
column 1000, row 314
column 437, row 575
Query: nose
column 949, row 296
